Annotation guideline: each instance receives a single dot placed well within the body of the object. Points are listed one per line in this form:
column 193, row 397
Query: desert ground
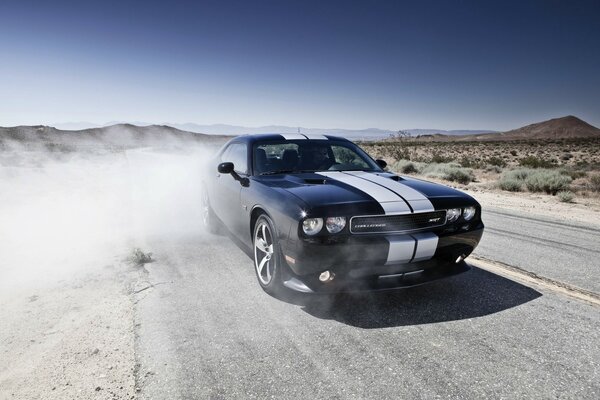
column 109, row 289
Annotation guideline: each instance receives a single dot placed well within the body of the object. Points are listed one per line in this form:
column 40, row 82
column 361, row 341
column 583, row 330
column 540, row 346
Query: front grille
column 397, row 223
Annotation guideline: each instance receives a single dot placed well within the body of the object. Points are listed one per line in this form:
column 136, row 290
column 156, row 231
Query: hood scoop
column 313, row 181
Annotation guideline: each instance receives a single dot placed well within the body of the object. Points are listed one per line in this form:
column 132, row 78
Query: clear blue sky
column 394, row 65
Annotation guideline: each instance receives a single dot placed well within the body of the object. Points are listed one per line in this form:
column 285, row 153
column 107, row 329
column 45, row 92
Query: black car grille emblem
column 397, row 223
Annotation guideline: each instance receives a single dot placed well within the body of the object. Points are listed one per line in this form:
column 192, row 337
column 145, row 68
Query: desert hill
column 568, row 127
column 115, row 136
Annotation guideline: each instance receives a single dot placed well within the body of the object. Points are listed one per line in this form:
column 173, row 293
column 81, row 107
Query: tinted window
column 347, row 158
column 310, row 155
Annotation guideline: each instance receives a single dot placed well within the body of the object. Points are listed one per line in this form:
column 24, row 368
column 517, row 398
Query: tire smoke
column 65, row 212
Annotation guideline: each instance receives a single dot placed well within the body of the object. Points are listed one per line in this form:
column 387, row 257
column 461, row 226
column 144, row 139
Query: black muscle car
column 320, row 215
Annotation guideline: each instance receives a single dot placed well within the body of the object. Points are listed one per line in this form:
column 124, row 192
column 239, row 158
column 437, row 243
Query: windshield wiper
column 286, row 171
column 279, row 171
column 354, row 169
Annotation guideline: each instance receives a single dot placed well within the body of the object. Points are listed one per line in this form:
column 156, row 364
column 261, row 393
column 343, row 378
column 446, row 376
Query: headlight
column 335, row 224
column 312, row 226
column 468, row 213
column 452, row 214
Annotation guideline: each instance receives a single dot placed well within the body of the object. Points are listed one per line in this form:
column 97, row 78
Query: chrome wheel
column 264, row 259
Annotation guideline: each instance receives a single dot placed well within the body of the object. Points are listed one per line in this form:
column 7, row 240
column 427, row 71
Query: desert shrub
column 595, row 183
column 407, row 167
column 513, row 152
column 514, row 180
column 548, row 181
column 449, row 171
column 566, row 156
column 510, row 184
column 466, row 161
column 497, row 161
column 397, row 151
column 537, row 162
column 518, row 174
column 139, row 258
column 471, row 162
column 440, row 159
column 574, row 174
column 565, row 196
column 493, row 168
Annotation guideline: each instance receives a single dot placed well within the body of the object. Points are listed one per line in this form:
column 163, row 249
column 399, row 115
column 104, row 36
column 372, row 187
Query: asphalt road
column 567, row 253
column 207, row 330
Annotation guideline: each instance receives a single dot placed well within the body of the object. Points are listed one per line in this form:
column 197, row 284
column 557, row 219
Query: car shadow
column 473, row 294
column 476, row 293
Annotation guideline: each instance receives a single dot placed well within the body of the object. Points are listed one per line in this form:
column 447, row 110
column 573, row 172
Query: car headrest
column 289, row 156
column 260, row 160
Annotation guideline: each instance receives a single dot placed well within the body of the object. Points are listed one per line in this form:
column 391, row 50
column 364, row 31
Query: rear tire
column 267, row 256
column 210, row 222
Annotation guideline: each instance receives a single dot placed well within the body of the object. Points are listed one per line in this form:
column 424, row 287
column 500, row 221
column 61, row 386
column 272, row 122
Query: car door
column 230, row 209
column 216, row 189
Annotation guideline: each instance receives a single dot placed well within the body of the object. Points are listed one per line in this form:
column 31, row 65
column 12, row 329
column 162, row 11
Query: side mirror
column 381, row 163
column 225, row 168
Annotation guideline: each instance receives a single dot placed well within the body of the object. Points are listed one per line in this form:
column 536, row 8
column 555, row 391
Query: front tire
column 267, row 256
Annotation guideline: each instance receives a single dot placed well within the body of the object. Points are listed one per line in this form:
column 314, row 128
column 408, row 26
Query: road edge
column 513, row 272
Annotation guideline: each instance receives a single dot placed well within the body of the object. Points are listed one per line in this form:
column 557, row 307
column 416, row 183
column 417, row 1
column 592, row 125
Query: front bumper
column 432, row 272
column 360, row 262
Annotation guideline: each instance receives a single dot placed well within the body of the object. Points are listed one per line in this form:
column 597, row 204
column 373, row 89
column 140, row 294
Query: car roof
column 251, row 138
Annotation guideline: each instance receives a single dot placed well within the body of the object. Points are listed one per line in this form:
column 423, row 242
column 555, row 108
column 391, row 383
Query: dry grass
column 549, row 166
column 565, row 196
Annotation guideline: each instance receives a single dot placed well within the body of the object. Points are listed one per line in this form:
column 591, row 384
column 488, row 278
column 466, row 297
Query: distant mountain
column 352, row 134
column 222, row 129
column 235, row 130
column 557, row 128
column 120, row 136
column 76, row 126
column 128, row 134
column 418, row 132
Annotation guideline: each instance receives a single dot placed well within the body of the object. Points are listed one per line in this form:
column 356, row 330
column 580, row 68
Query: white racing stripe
column 417, row 200
column 401, row 249
column 316, row 137
column 293, row 136
column 390, row 201
column 391, row 195
column 426, row 245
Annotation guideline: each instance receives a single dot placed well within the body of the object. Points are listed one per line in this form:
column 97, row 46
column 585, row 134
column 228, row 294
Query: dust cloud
column 63, row 213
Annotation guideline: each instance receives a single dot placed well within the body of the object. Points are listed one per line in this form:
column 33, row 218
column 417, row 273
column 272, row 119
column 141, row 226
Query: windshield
column 310, row 156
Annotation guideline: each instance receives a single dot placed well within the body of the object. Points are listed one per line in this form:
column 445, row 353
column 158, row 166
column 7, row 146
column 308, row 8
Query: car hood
column 367, row 193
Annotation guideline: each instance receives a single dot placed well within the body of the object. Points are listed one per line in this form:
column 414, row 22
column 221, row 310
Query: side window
column 237, row 154
column 225, row 154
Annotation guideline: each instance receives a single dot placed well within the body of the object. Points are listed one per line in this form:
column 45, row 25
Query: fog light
column 326, row 276
column 452, row 214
